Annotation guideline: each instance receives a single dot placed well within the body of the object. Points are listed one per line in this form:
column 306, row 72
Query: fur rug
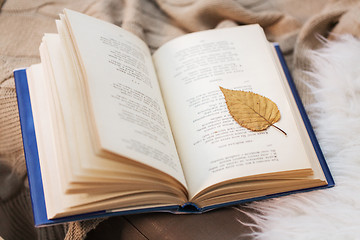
column 331, row 213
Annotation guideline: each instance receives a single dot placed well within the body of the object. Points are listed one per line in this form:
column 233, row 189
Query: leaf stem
column 279, row 129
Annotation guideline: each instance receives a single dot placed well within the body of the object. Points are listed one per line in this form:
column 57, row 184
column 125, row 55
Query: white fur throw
column 331, row 213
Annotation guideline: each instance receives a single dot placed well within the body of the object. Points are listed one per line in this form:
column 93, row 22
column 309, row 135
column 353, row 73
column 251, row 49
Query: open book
column 110, row 128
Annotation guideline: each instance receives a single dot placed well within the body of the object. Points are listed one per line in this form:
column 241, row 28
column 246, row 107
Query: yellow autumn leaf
column 251, row 110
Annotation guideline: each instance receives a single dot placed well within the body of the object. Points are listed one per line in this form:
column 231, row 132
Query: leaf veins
column 251, row 110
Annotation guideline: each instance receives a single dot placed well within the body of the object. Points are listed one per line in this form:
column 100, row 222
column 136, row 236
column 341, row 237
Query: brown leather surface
column 225, row 223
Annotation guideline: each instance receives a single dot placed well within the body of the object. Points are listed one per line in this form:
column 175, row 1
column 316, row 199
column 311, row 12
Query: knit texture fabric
column 296, row 25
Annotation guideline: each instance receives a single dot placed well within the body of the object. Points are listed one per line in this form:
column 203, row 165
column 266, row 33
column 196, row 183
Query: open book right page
column 213, row 148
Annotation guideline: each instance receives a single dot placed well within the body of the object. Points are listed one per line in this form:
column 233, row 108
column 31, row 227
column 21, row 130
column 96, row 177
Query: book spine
column 189, row 207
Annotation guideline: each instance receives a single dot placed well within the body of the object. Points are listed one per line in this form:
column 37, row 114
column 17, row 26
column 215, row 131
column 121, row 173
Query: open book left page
column 106, row 128
column 123, row 93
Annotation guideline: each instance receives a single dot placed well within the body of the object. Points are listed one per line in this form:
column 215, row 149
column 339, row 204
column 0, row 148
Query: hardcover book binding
column 34, row 173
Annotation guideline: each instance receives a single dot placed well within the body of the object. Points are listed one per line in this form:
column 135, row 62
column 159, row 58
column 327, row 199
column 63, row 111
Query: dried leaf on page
column 251, row 110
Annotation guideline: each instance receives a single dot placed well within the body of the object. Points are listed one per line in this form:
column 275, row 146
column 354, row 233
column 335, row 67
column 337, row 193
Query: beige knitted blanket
column 296, row 25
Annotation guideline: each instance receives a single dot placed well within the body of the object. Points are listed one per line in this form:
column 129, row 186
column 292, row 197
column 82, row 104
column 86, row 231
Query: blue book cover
column 34, row 172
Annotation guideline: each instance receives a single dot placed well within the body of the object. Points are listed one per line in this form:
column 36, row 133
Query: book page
column 211, row 145
column 123, row 94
